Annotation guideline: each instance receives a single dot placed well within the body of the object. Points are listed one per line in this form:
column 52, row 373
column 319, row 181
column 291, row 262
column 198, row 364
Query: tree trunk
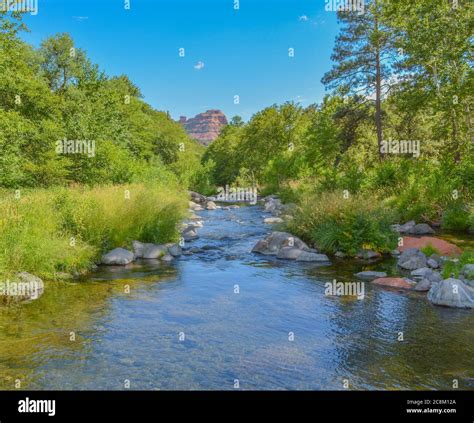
column 378, row 89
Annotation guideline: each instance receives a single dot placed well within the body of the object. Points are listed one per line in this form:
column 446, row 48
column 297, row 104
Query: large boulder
column 118, row 256
column 370, row 275
column 405, row 228
column 275, row 241
column 210, row 205
column 412, row 259
column 452, row 293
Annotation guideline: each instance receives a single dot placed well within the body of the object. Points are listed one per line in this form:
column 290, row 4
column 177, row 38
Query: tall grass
column 334, row 223
column 52, row 231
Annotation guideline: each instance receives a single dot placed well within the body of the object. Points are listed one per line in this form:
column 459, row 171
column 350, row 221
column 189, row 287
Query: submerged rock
column 313, row 257
column 289, row 253
column 367, row 254
column 452, row 293
column 23, row 287
column 370, row 275
column 118, row 256
column 394, row 283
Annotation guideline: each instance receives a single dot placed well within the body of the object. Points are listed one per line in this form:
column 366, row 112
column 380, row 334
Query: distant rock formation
column 204, row 127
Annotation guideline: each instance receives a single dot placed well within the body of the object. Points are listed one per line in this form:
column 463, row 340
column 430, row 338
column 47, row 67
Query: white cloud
column 199, row 65
column 303, row 18
column 80, row 18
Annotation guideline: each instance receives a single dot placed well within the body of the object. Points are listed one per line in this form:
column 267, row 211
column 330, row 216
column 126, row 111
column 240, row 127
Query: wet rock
column 367, row 254
column 211, row 205
column 272, row 244
column 138, row 248
column 421, row 272
column 189, row 234
column 174, row 249
column 421, row 229
column 152, row 251
column 313, row 257
column 395, row 253
column 424, row 285
column 195, row 207
column 452, row 293
column 118, row 256
column 289, row 253
column 394, row 283
column 412, row 259
column 272, row 220
column 167, row 258
column 194, row 216
column 370, row 275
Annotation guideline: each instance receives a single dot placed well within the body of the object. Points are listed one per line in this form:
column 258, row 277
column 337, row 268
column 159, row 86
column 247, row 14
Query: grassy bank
column 334, row 222
column 53, row 231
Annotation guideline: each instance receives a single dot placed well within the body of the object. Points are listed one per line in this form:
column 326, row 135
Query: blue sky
column 244, row 52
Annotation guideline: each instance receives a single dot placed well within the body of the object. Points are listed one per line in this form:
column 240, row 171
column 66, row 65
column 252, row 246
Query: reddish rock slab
column 445, row 248
column 393, row 283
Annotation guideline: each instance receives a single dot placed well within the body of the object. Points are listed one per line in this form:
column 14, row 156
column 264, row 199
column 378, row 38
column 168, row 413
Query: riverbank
column 59, row 233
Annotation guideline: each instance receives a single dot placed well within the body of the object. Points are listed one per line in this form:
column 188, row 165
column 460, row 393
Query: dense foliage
column 424, row 54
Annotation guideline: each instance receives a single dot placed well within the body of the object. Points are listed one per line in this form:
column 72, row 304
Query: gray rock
column 138, row 248
column 340, row 254
column 153, row 251
column 211, row 205
column 468, row 271
column 289, row 253
column 412, row 259
column 274, row 205
column 174, row 249
column 424, row 285
column 197, row 198
column 313, row 257
column 395, row 253
column 370, row 275
column 452, row 293
column 432, row 263
column 421, row 229
column 167, row 258
column 367, row 254
column 272, row 244
column 189, row 234
column 407, row 227
column 421, row 272
column 118, row 256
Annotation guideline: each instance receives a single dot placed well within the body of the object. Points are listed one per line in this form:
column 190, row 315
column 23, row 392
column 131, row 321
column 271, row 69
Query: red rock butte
column 204, row 127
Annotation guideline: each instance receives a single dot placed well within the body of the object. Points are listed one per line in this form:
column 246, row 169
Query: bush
column 334, row 223
column 454, row 267
column 456, row 218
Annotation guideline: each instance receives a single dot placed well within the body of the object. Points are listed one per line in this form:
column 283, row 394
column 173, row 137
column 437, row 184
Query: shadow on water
column 222, row 314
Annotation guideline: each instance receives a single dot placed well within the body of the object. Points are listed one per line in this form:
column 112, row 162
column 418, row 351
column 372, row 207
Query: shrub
column 454, row 267
column 456, row 218
column 334, row 223
column 429, row 250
